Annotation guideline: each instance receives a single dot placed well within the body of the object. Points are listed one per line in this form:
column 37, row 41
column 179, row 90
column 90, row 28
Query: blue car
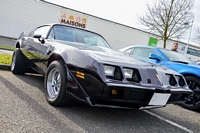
column 174, row 61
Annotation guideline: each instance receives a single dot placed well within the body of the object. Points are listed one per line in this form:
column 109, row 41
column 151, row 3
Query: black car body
column 79, row 64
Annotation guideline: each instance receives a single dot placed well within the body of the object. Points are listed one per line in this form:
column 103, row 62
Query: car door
column 35, row 49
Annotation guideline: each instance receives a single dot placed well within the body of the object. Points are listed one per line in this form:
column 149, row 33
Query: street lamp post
column 186, row 48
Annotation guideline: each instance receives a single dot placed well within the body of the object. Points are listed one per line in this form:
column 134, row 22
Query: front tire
column 193, row 103
column 18, row 66
column 55, row 84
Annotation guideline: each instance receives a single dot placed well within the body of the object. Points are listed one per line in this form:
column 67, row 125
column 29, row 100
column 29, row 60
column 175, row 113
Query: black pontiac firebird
column 79, row 64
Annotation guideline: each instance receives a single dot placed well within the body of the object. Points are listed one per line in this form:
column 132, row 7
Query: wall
column 23, row 15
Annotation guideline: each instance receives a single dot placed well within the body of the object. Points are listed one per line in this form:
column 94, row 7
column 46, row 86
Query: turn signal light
column 114, row 92
column 80, row 75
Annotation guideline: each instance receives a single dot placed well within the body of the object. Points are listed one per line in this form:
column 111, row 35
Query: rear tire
column 55, row 84
column 193, row 103
column 18, row 66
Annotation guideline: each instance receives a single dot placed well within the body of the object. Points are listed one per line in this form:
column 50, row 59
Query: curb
column 5, row 67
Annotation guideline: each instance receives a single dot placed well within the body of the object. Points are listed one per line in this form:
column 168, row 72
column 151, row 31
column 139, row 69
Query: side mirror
column 39, row 38
column 155, row 57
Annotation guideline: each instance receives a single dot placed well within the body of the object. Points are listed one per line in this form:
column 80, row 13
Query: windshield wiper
column 181, row 62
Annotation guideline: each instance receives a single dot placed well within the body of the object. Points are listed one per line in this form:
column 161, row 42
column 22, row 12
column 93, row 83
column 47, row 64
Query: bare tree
column 197, row 34
column 168, row 18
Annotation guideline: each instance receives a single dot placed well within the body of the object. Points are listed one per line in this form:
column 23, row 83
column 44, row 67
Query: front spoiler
column 123, row 107
column 160, row 96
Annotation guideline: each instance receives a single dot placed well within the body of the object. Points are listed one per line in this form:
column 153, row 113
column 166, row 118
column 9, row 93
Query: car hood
column 116, row 56
column 183, row 64
column 194, row 65
column 107, row 55
column 100, row 53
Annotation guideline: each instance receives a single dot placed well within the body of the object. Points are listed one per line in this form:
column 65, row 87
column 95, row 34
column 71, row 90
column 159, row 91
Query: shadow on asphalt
column 42, row 110
column 35, row 80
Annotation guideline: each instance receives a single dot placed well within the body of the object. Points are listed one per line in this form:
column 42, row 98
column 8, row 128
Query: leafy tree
column 168, row 18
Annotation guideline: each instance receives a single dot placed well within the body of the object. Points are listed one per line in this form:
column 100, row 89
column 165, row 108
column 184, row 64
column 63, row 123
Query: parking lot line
column 168, row 121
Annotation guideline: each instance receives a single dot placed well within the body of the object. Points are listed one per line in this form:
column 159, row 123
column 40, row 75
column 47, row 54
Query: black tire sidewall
column 20, row 66
column 61, row 98
column 196, row 107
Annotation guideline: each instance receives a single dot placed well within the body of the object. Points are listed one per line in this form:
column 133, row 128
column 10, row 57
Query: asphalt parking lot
column 25, row 109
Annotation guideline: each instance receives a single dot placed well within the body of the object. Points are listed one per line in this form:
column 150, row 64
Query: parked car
column 175, row 61
column 79, row 64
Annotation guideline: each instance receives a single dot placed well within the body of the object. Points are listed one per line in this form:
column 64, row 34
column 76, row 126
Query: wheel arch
column 54, row 57
column 17, row 45
column 189, row 74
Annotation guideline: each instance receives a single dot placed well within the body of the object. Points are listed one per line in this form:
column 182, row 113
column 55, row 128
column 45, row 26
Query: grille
column 177, row 97
column 135, row 94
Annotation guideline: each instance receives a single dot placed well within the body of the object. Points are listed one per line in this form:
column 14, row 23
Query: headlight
column 113, row 72
column 128, row 73
column 171, row 79
column 109, row 70
column 132, row 74
column 180, row 80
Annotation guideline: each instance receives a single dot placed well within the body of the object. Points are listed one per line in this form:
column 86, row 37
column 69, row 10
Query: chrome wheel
column 53, row 83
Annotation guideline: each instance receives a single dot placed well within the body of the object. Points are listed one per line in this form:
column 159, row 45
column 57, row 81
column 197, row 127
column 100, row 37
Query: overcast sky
column 121, row 11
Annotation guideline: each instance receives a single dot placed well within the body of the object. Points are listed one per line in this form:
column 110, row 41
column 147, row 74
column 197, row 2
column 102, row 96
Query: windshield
column 65, row 33
column 176, row 57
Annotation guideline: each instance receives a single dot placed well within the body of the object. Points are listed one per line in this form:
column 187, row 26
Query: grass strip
column 7, row 48
column 5, row 59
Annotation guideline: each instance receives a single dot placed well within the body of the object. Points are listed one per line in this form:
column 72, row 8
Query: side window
column 142, row 52
column 51, row 35
column 128, row 51
column 41, row 31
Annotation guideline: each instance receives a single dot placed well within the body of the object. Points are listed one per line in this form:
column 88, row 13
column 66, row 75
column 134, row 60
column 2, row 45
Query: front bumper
column 137, row 96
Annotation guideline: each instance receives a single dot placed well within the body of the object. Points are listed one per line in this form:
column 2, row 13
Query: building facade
column 24, row 15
